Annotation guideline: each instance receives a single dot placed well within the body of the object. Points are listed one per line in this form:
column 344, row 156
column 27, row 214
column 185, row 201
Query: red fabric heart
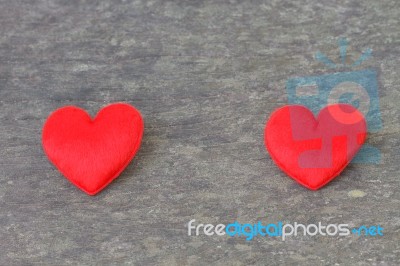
column 314, row 151
column 92, row 152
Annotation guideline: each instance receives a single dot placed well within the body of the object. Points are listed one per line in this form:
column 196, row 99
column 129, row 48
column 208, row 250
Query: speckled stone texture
column 205, row 75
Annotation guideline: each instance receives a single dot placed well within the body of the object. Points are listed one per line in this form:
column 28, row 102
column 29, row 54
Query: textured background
column 205, row 75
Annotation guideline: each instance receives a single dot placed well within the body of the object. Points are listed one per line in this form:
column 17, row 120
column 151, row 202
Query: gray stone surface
column 205, row 75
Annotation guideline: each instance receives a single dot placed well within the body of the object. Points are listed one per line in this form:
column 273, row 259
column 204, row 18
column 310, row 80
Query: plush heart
column 92, row 152
column 314, row 151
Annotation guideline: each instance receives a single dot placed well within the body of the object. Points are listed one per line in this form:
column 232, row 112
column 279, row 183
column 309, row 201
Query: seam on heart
column 131, row 157
column 297, row 178
column 294, row 176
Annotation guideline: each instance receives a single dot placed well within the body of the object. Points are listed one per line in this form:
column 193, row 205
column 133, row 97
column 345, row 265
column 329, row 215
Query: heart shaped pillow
column 314, row 151
column 92, row 152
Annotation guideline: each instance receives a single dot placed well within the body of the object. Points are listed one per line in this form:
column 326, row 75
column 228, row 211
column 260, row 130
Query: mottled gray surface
column 205, row 75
